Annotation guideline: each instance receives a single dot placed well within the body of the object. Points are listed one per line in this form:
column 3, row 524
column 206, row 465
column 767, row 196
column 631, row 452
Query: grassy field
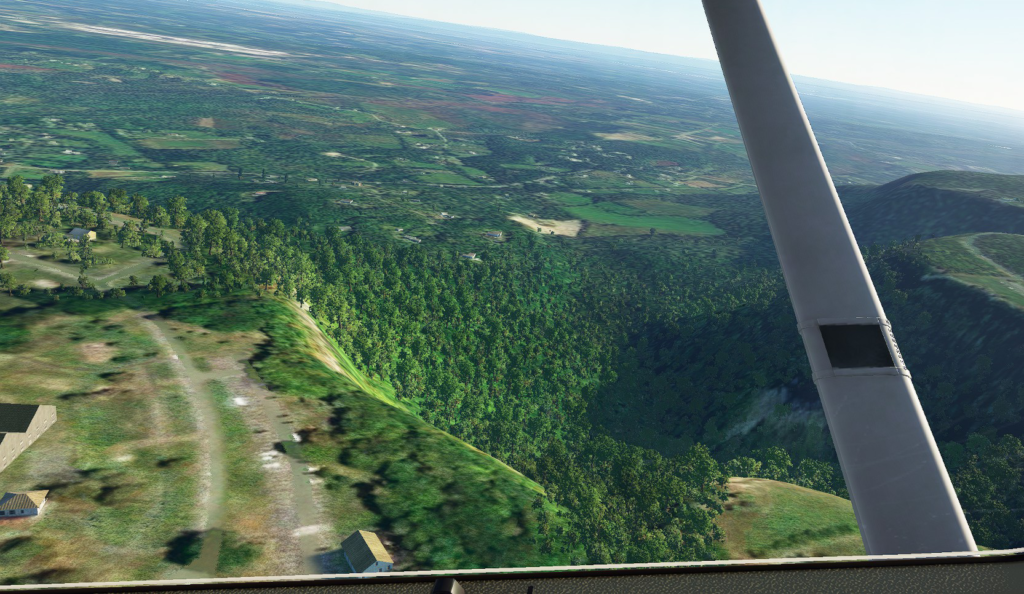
column 988, row 261
column 43, row 267
column 104, row 141
column 952, row 256
column 610, row 213
column 569, row 199
column 121, row 463
column 171, row 143
column 767, row 519
column 1004, row 249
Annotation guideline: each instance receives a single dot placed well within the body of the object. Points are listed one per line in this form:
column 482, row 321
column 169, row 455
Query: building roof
column 15, row 418
column 26, row 500
column 78, row 232
column 363, row 549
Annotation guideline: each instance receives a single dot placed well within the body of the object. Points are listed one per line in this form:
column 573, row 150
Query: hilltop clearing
column 269, row 515
column 766, row 519
column 569, row 228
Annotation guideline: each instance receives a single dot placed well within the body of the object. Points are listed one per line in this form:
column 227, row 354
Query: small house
column 20, row 425
column 29, row 503
column 346, row 201
column 78, row 233
column 469, row 256
column 413, row 239
column 365, row 553
column 493, row 234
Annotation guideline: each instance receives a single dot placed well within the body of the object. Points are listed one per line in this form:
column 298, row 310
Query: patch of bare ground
column 569, row 228
column 282, row 514
column 204, row 458
column 99, row 461
column 96, row 352
column 42, row 283
column 205, row 122
column 276, row 528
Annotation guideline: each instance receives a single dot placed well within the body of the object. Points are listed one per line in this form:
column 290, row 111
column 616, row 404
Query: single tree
column 7, row 282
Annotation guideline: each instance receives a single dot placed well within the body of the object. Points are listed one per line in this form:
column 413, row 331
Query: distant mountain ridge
column 936, row 204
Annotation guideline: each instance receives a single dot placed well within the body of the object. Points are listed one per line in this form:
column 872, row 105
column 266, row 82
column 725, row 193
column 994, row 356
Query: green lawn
column 246, row 484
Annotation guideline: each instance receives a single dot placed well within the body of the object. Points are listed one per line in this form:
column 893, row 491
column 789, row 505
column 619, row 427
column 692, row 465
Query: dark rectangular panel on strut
column 856, row 345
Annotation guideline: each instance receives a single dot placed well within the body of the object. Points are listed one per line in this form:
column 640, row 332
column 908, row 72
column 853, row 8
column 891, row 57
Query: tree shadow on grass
column 184, row 548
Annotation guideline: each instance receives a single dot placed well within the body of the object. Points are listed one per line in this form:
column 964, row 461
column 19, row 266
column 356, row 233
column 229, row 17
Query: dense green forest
column 530, row 355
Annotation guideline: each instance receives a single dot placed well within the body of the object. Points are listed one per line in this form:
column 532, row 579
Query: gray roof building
column 22, row 504
column 20, row 425
column 16, row 418
column 365, row 553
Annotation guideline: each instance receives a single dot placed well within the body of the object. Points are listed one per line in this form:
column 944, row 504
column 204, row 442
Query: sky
column 967, row 50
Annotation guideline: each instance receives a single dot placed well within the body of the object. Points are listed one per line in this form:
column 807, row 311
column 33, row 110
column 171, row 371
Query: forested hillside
column 936, row 204
column 630, row 393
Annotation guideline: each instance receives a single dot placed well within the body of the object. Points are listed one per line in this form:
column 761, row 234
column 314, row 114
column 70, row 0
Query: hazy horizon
column 908, row 60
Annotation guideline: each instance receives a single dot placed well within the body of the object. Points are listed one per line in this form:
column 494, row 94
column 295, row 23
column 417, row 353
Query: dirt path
column 1013, row 281
column 304, row 517
column 120, row 273
column 212, row 449
column 290, row 488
